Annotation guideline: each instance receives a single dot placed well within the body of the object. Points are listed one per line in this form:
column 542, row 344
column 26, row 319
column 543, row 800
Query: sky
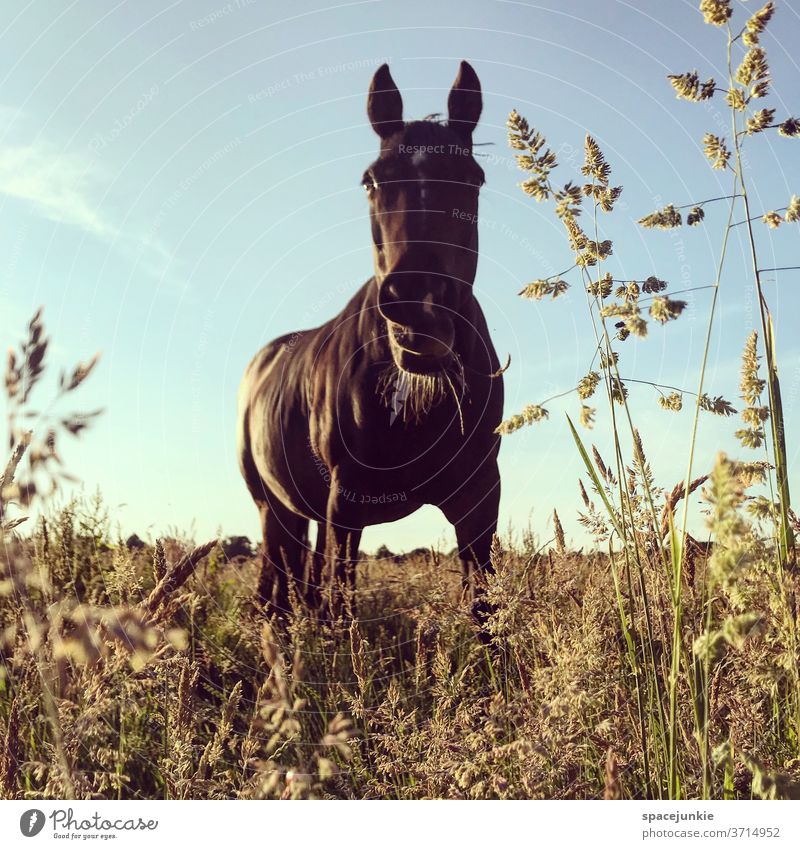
column 179, row 184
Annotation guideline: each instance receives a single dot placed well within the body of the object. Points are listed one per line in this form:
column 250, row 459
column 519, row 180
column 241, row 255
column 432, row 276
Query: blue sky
column 179, row 183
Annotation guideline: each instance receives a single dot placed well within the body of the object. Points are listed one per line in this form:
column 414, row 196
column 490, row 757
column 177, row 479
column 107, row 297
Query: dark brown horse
column 393, row 403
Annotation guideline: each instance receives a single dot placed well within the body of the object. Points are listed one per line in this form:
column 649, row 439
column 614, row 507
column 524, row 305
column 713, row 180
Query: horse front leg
column 343, row 536
column 283, row 553
column 472, row 511
column 341, row 557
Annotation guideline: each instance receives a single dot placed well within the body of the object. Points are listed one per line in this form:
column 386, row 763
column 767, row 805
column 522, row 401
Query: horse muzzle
column 421, row 351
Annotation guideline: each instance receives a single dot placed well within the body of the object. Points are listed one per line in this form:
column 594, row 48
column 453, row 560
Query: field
column 110, row 693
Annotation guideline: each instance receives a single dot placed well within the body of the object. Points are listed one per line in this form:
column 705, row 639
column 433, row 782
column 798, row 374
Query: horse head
column 423, row 199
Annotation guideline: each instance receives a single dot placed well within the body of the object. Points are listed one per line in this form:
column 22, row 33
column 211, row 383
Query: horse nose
column 410, row 298
column 434, row 339
column 390, row 301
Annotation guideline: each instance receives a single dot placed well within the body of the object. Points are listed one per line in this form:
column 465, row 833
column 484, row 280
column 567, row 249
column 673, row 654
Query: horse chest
column 392, row 453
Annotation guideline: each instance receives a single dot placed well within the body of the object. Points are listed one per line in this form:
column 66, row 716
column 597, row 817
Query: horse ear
column 465, row 102
column 384, row 104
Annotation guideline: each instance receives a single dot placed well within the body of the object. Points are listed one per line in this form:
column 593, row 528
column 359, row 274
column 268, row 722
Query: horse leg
column 283, row 555
column 316, row 568
column 474, row 551
column 341, row 555
column 473, row 514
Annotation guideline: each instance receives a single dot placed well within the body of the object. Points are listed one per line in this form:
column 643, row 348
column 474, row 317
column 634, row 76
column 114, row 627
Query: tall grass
column 202, row 699
column 639, row 541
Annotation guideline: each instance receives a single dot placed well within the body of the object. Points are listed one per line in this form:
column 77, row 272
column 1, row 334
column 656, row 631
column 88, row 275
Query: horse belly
column 275, row 442
column 291, row 470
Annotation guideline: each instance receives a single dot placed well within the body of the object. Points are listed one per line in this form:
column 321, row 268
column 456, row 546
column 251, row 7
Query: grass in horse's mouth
column 439, row 347
column 413, row 395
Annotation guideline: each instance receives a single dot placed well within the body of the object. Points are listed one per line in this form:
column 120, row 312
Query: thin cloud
column 55, row 184
column 61, row 187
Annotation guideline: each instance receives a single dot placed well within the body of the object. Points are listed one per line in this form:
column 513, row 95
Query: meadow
column 113, row 688
column 648, row 665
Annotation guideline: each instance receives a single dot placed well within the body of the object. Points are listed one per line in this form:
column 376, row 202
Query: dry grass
column 202, row 699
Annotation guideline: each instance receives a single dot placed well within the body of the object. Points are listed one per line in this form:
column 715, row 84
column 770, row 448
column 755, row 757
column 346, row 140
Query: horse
column 394, row 403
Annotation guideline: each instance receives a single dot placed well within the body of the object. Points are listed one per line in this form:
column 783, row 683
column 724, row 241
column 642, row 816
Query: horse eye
column 369, row 183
